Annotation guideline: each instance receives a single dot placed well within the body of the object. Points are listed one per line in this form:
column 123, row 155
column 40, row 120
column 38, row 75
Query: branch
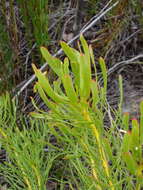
column 123, row 63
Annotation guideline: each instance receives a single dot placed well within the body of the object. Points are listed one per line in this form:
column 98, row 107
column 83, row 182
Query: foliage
column 23, row 27
column 132, row 148
column 98, row 156
column 89, row 152
column 35, row 17
column 28, row 163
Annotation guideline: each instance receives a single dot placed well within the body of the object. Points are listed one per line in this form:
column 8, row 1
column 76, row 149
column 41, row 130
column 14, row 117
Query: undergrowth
column 23, row 29
column 35, row 17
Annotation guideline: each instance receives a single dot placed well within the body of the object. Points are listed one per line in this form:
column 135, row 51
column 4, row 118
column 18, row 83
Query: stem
column 94, row 173
column 100, row 148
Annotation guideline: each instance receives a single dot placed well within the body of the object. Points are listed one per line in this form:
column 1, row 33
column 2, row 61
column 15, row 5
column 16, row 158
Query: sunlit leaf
column 69, row 88
column 95, row 93
column 85, row 77
column 73, row 55
column 55, row 64
column 44, row 83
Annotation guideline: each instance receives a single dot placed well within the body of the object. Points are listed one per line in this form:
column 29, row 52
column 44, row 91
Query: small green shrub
column 98, row 156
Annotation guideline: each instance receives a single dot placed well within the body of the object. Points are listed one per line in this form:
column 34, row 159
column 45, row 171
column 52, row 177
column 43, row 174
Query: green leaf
column 44, row 83
column 55, row 64
column 57, row 86
column 66, row 66
column 48, row 103
column 86, row 49
column 135, row 145
column 127, row 140
column 74, row 60
column 135, row 133
column 37, row 115
column 35, row 106
column 130, row 162
column 108, row 149
column 121, row 94
column 104, row 74
column 70, row 91
column 95, row 92
column 85, row 77
column 71, row 53
column 93, row 62
column 125, row 121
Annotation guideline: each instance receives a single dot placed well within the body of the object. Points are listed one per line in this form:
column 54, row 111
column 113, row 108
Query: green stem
column 100, row 147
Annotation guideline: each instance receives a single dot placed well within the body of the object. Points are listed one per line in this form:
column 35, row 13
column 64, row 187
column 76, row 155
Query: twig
column 129, row 37
column 100, row 16
column 33, row 77
column 122, row 63
column 96, row 16
column 119, row 64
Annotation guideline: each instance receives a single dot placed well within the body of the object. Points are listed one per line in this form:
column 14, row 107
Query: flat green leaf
column 57, row 86
column 49, row 104
column 135, row 145
column 69, row 88
column 73, row 55
column 93, row 62
column 85, row 77
column 127, row 140
column 95, row 93
column 85, row 48
column 55, row 64
column 135, row 133
column 66, row 67
column 125, row 121
column 44, row 83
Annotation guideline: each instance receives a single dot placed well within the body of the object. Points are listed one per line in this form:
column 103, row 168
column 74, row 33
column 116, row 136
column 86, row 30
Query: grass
column 35, row 17
column 21, row 26
column 28, row 164
column 93, row 146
